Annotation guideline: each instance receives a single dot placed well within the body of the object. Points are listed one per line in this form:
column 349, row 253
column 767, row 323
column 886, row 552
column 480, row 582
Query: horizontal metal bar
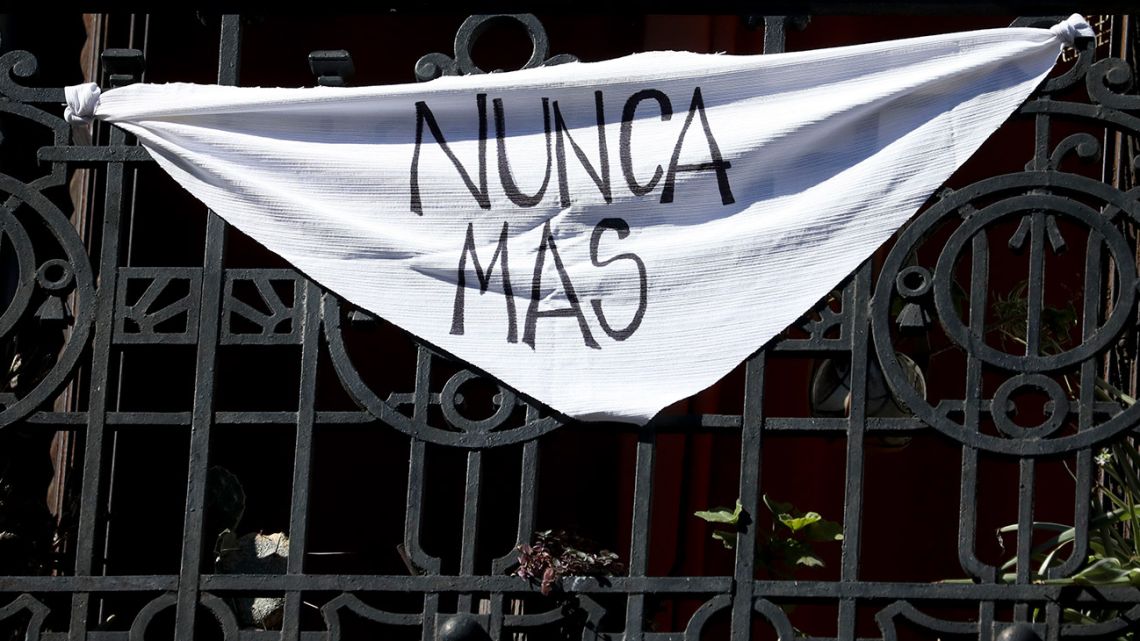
column 128, row 583
column 504, row 583
column 791, row 590
column 81, row 154
column 664, row 424
column 243, row 635
column 789, row 7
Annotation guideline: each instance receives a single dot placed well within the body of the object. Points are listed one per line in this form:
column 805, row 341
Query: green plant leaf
column 1097, row 547
column 1037, row 525
column 809, row 560
column 797, row 523
column 776, row 507
column 1104, row 571
column 797, row 553
column 1048, row 560
column 727, row 539
column 721, row 514
column 823, row 530
column 1076, row 616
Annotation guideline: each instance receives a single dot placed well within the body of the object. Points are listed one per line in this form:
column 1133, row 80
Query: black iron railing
column 941, row 338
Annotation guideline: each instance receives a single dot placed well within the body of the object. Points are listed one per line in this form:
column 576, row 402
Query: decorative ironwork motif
column 990, row 318
column 267, row 310
column 140, row 316
column 434, row 65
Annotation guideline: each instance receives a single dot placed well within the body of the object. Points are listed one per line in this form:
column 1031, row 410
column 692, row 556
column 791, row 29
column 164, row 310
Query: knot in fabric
column 1074, row 27
column 81, row 103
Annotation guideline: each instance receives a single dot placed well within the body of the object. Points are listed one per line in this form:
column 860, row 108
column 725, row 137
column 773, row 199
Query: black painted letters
column 718, row 164
column 599, row 173
column 423, row 114
column 622, row 229
column 624, row 142
column 575, row 309
column 484, row 281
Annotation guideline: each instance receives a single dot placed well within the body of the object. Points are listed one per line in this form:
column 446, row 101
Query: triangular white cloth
column 608, row 237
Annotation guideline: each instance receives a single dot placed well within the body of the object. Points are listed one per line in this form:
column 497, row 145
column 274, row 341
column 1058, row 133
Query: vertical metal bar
column 856, row 424
column 412, row 518
column 971, row 409
column 775, row 31
column 1052, row 621
column 986, row 620
column 471, row 495
column 750, row 446
column 302, row 455
column 422, row 392
column 1033, row 310
column 968, row 518
column 1041, row 141
column 93, row 474
column 527, row 505
column 752, row 423
column 639, row 532
column 414, row 514
column 202, row 416
column 527, row 499
column 1035, row 294
column 1087, row 401
column 131, row 211
column 1025, row 486
column 229, row 50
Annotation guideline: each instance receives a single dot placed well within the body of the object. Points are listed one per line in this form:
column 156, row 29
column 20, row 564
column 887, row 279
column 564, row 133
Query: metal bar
column 471, row 495
column 986, row 621
column 968, row 495
column 871, row 591
column 1052, row 622
column 414, row 514
column 1028, row 478
column 853, row 490
column 85, row 155
column 1035, row 290
column 774, row 33
column 413, row 517
column 93, row 473
column 1090, row 318
column 302, row 456
column 640, row 529
column 229, row 59
column 750, row 461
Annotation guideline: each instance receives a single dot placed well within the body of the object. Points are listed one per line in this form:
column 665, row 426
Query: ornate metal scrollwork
column 434, row 65
column 54, row 295
column 1047, row 210
column 409, row 411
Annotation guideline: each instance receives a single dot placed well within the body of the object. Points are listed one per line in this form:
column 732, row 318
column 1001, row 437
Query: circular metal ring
column 65, row 235
column 974, row 343
column 451, row 397
column 914, row 272
column 1017, row 186
column 1001, row 402
column 475, row 26
column 60, row 280
column 25, row 258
